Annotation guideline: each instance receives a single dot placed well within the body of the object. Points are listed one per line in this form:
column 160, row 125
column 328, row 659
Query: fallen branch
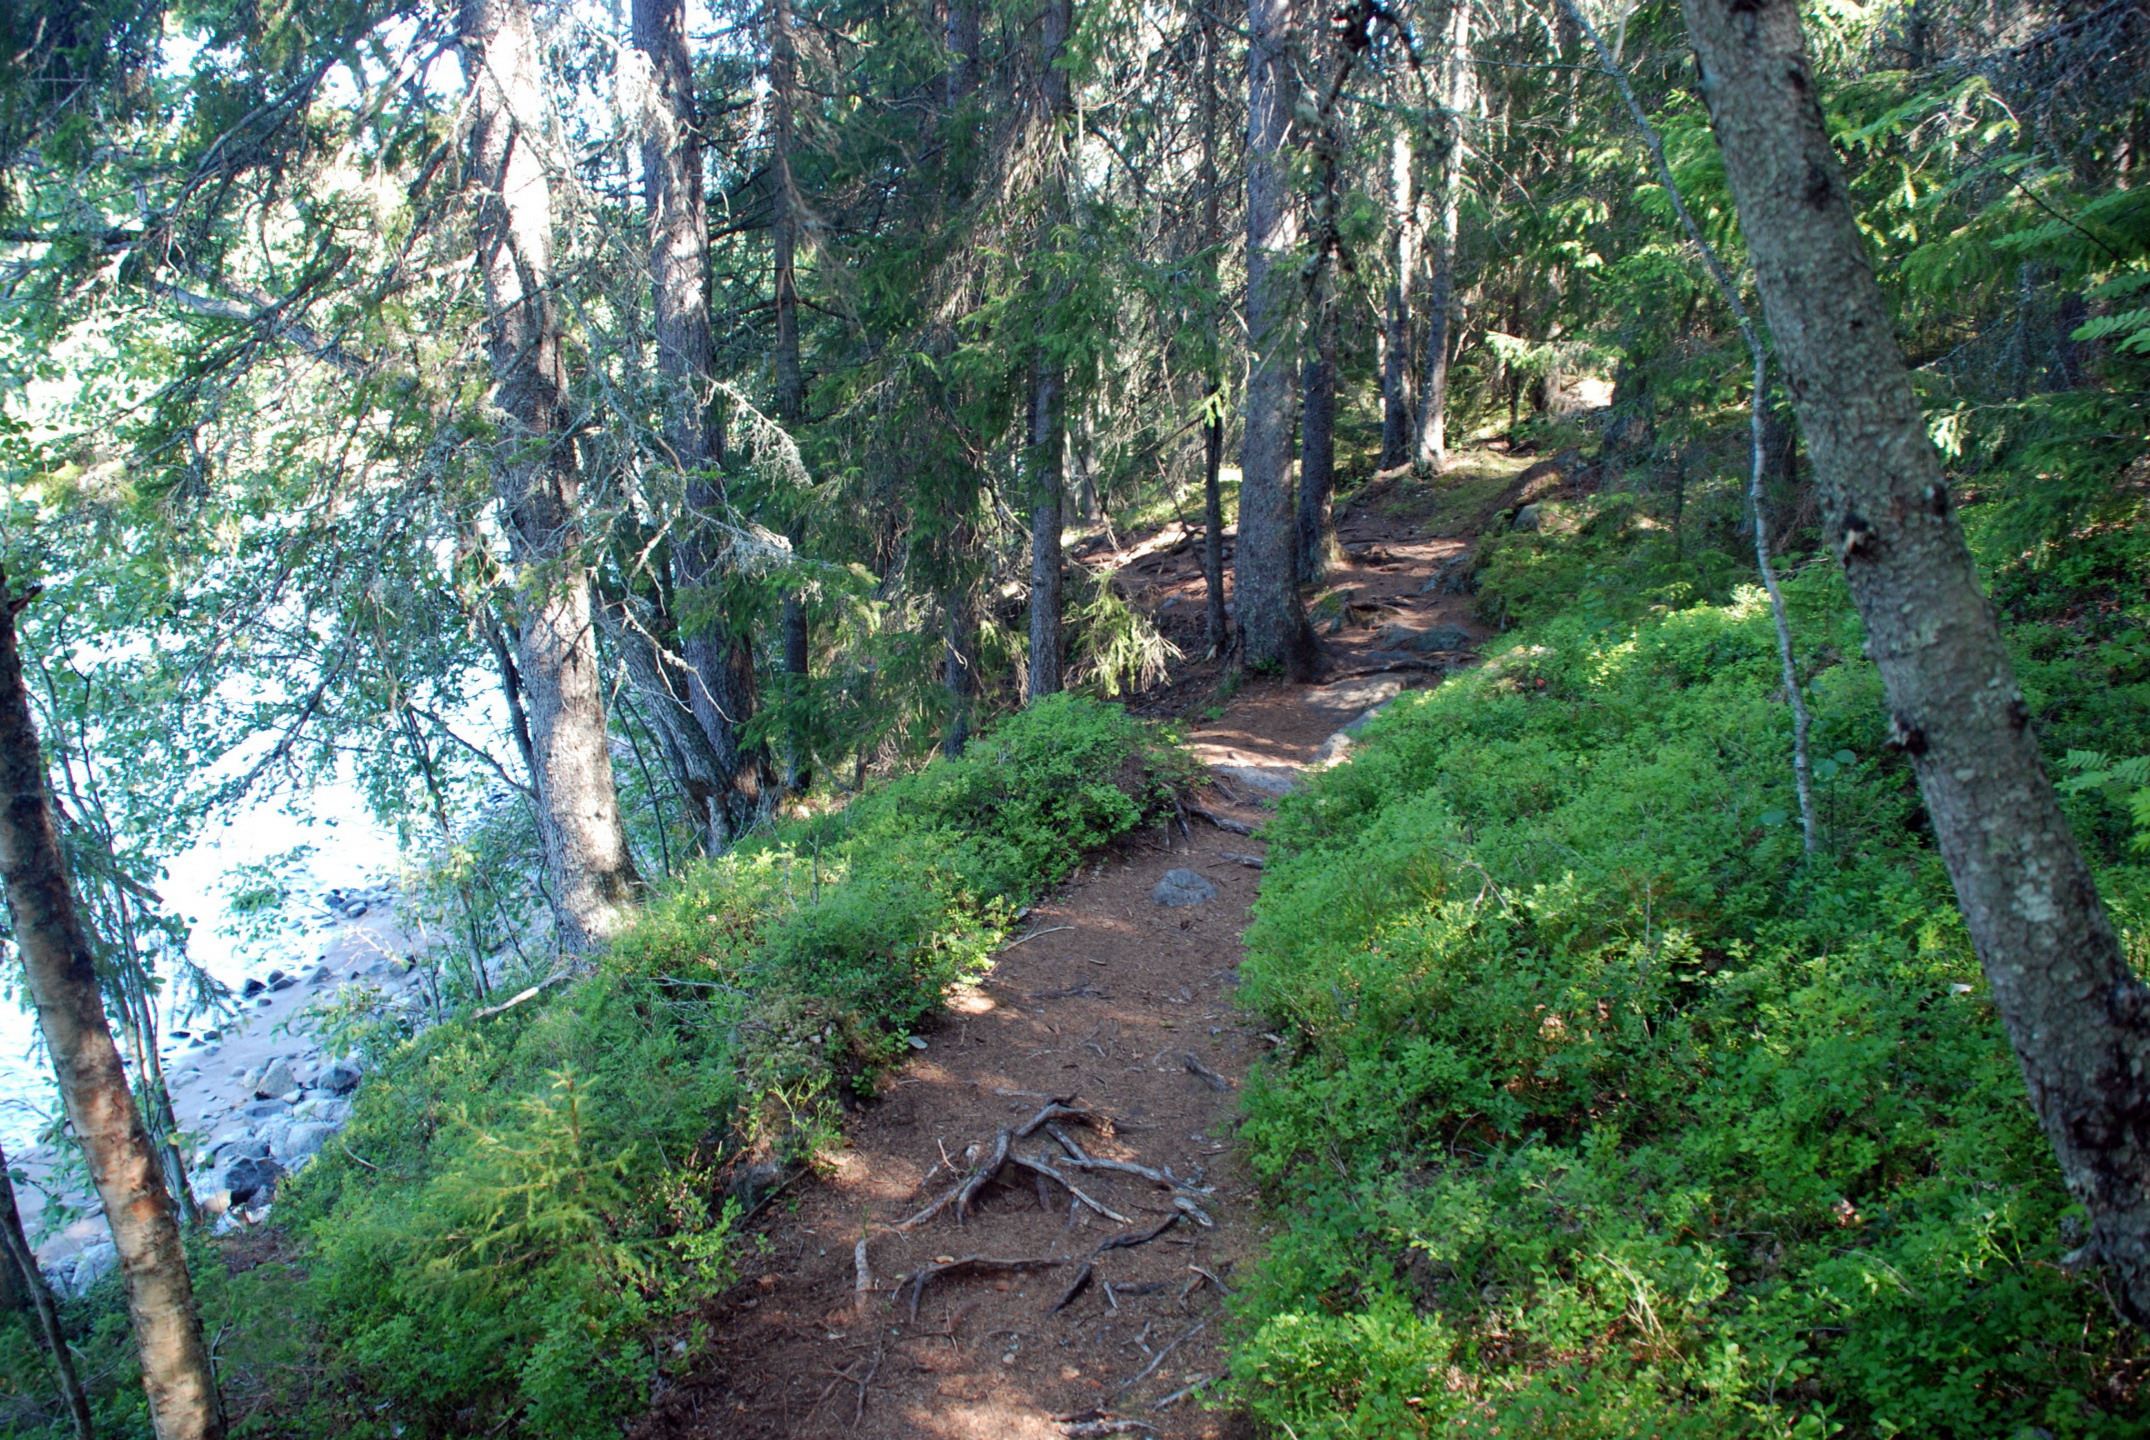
column 863, row 1286
column 917, row 1281
column 531, row 994
column 982, row 1176
column 1207, row 1076
column 1252, row 862
column 1159, row 1358
column 1223, row 822
column 1193, row 1212
column 1041, row 1168
column 1060, row 1109
column 1082, row 1159
column 1035, row 934
column 1180, row 1394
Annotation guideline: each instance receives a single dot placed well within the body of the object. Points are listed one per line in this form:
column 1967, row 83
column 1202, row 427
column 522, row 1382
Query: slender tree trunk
column 593, row 880
column 176, row 1373
column 1047, row 434
column 1272, row 624
column 1218, row 628
column 1317, row 439
column 2077, row 1015
column 28, row 1283
column 1456, row 96
column 1396, row 343
column 960, row 669
column 1046, row 440
column 719, row 657
column 784, row 222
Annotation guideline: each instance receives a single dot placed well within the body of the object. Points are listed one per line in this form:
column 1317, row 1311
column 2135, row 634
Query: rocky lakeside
column 256, row 1096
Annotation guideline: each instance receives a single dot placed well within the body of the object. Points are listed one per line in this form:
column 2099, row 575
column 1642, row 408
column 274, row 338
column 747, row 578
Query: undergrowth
column 527, row 1207
column 1602, row 1113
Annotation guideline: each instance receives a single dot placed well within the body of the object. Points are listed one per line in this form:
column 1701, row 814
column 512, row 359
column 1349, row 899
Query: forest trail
column 1108, row 1002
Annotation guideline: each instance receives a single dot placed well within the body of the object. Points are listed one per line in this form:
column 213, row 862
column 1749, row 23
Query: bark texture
column 534, row 467
column 1456, row 97
column 2077, row 1016
column 719, row 661
column 27, row 1291
column 1396, row 336
column 1046, row 436
column 177, row 1376
column 1272, row 624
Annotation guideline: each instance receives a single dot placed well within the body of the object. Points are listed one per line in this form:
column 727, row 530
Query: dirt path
column 1109, row 1003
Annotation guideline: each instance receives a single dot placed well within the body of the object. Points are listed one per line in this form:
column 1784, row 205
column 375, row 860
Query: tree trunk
column 721, row 693
column 1317, row 441
column 2076, row 1014
column 1046, row 438
column 1218, row 628
column 593, row 880
column 960, row 669
column 666, row 685
column 1396, row 342
column 1272, row 624
column 176, row 1373
column 26, row 1285
column 784, row 218
column 1047, row 435
column 1441, row 301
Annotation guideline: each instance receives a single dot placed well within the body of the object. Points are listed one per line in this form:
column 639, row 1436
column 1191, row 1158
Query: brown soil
column 1109, row 1002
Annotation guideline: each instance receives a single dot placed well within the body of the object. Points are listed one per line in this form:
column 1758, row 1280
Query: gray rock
column 251, row 988
column 355, row 911
column 1334, row 751
column 1527, row 518
column 274, row 1131
column 98, row 1259
column 275, row 1080
column 1359, row 724
column 303, row 1141
column 251, row 1180
column 1354, row 695
column 264, row 1109
column 278, row 980
column 341, row 1078
column 247, row 1147
column 1272, row 780
column 1183, row 887
column 1424, row 642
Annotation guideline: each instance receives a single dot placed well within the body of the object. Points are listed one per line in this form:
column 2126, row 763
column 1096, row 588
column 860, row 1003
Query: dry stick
column 1180, row 1394
column 1039, row 1167
column 1729, row 292
column 1159, row 1358
column 1061, row 1110
column 1223, row 822
column 1207, row 1076
column 863, row 1286
column 969, row 1189
column 917, row 1281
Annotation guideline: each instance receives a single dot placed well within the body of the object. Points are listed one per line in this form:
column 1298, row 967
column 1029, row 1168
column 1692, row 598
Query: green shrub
column 1603, row 1114
column 519, row 1201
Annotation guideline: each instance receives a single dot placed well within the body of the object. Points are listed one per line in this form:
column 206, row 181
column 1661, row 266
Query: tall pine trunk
column 1272, row 624
column 1456, row 94
column 1047, row 435
column 1217, row 629
column 1396, row 338
column 719, row 659
column 177, row 1375
column 2075, row 1012
column 1317, row 434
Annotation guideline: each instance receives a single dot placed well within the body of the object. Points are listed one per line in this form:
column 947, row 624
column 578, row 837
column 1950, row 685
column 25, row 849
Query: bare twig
column 1159, row 1358
column 1207, row 1076
column 917, row 1281
column 1223, row 822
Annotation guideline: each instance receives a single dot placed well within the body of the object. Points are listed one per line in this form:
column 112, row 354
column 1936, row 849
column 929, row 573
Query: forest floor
column 1110, row 1003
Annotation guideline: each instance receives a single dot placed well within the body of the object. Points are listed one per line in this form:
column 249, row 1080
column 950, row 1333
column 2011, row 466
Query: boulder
column 1440, row 637
column 251, row 1181
column 252, row 988
column 264, row 1109
column 246, row 1147
column 1334, row 751
column 278, row 980
column 1527, row 518
column 341, row 1078
column 1183, row 887
column 302, row 1142
column 1274, row 781
column 275, row 1080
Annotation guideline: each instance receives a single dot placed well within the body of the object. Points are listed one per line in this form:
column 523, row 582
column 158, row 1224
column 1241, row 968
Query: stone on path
column 1183, row 887
column 1440, row 637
